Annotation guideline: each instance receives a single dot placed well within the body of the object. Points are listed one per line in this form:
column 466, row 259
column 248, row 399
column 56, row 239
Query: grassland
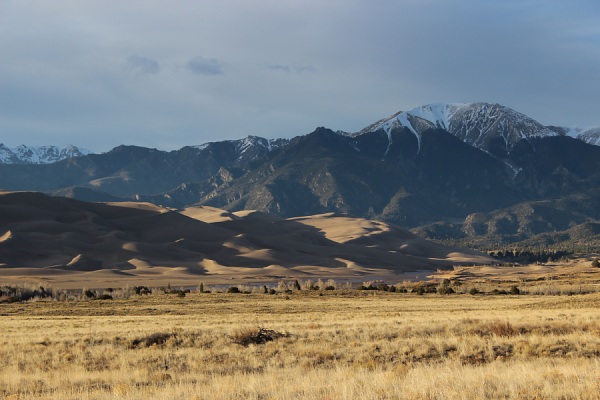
column 326, row 345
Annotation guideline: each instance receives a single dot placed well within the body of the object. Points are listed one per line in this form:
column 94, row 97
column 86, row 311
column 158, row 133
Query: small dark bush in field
column 473, row 291
column 248, row 336
column 104, row 297
column 383, row 287
column 420, row 291
column 502, row 329
column 141, row 290
column 498, row 291
column 329, row 287
column 233, row 289
column 446, row 290
column 272, row 291
column 596, row 264
column 89, row 294
column 392, row 289
column 154, row 339
column 514, row 290
column 370, row 287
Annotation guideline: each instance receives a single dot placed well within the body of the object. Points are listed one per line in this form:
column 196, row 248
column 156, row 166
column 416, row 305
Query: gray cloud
column 292, row 68
column 205, row 66
column 142, row 65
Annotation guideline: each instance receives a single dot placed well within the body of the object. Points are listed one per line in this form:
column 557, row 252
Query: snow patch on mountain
column 250, row 146
column 589, row 135
column 39, row 154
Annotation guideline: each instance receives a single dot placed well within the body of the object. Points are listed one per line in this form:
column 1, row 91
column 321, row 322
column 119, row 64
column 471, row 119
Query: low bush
column 248, row 336
column 446, row 290
column 141, row 290
column 154, row 339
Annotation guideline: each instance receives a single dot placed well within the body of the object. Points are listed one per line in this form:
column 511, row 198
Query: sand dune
column 69, row 242
column 208, row 214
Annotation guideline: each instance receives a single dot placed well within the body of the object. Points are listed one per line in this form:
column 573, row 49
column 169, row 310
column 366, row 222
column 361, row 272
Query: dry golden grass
column 342, row 345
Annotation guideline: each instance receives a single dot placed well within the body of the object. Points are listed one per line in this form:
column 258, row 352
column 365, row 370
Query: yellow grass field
column 326, row 345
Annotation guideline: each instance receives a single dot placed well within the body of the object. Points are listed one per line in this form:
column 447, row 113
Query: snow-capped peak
column 243, row 145
column 39, row 154
column 490, row 127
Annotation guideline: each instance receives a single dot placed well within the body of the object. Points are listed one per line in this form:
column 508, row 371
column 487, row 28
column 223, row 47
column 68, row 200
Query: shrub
column 383, row 287
column 233, row 289
column 596, row 263
column 473, row 291
column 154, row 339
column 248, row 336
column 330, row 287
column 446, row 290
column 141, row 290
column 89, row 294
column 104, row 297
column 514, row 290
column 504, row 329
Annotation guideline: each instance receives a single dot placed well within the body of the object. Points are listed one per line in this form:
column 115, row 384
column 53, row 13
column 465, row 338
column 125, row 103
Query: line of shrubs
column 14, row 294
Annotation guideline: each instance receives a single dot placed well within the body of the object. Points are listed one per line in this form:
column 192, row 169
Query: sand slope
column 64, row 240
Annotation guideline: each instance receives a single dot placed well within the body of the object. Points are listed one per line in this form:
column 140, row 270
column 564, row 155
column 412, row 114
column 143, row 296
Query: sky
column 166, row 74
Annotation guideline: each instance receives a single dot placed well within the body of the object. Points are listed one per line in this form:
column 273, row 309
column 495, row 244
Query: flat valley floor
column 338, row 344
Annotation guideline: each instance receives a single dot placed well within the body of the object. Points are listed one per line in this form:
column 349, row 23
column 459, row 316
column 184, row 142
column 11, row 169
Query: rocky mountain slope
column 439, row 167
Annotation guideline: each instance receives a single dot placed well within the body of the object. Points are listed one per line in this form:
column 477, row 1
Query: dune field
column 69, row 244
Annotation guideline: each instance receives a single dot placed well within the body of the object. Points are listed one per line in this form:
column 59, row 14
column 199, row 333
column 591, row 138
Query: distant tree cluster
column 529, row 256
column 12, row 294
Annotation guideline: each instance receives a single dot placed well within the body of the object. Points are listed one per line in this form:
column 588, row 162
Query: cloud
column 279, row 67
column 205, row 66
column 298, row 69
column 142, row 65
column 282, row 68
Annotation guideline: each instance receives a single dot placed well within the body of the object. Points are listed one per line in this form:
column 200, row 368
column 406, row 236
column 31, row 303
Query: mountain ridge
column 461, row 119
column 412, row 169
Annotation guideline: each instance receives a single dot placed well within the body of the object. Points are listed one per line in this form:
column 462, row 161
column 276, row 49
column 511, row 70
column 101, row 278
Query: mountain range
column 39, row 154
column 477, row 173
